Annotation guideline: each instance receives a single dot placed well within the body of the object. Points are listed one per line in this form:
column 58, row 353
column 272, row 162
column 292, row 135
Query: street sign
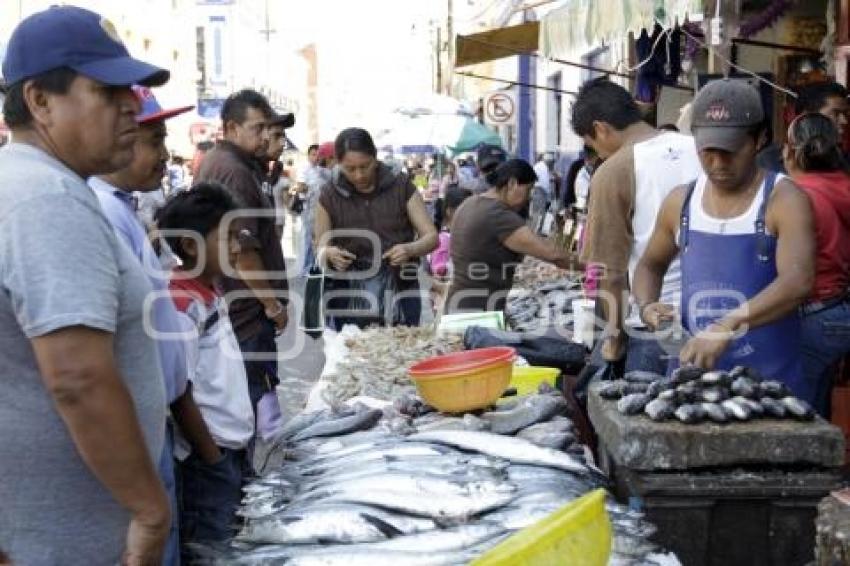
column 500, row 108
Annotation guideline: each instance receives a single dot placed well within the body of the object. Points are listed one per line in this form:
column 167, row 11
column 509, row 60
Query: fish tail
column 386, row 529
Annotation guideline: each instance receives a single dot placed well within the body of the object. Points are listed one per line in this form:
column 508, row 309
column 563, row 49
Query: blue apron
column 722, row 271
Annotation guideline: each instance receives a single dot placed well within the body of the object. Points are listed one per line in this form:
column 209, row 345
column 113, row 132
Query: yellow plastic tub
column 526, row 379
column 578, row 534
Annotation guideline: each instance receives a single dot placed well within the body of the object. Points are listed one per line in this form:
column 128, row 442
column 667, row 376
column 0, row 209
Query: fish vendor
column 490, row 238
column 745, row 240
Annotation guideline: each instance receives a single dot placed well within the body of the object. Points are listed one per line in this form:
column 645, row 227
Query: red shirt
column 830, row 197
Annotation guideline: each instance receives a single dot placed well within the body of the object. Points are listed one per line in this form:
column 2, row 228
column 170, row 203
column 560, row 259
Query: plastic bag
column 367, row 301
column 547, row 350
column 269, row 416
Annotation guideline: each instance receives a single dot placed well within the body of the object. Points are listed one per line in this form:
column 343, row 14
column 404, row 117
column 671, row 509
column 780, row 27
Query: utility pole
column 451, row 48
column 267, row 31
column 439, row 62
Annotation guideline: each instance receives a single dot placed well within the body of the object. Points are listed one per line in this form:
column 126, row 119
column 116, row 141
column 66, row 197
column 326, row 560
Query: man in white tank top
column 642, row 166
column 745, row 239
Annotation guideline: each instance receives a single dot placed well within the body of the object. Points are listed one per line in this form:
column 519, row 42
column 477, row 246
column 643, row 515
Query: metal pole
column 525, row 107
column 450, row 49
column 439, row 62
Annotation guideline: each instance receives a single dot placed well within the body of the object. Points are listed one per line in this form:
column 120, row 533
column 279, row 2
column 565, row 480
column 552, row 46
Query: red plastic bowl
column 464, row 381
column 462, row 362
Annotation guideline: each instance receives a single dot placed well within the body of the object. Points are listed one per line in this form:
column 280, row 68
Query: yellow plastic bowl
column 578, row 534
column 464, row 381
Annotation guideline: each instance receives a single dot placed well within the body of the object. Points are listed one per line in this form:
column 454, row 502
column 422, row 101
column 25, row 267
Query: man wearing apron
column 745, row 239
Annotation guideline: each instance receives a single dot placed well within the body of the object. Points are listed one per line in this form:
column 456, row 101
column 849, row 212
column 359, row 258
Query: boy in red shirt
column 191, row 224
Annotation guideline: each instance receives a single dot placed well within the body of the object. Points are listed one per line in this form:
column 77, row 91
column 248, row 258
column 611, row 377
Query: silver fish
column 317, row 525
column 438, row 506
column 509, row 448
column 398, row 450
column 358, row 421
column 359, row 557
column 409, row 481
column 440, row 540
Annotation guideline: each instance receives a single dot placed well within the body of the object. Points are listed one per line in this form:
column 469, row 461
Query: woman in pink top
column 814, row 160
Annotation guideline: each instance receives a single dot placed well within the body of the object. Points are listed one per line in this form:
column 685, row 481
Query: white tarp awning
column 580, row 25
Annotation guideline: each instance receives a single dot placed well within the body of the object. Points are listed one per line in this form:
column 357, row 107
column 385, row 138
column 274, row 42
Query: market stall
column 729, row 467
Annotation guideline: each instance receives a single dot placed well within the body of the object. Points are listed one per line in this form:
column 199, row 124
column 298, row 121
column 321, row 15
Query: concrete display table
column 743, row 493
column 639, row 443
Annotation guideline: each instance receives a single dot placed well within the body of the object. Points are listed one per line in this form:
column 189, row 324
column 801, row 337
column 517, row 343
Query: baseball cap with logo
column 490, row 156
column 151, row 110
column 723, row 113
column 68, row 36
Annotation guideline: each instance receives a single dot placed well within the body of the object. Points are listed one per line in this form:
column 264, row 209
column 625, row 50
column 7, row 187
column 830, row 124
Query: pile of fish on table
column 546, row 304
column 378, row 360
column 693, row 395
column 542, row 296
column 405, row 485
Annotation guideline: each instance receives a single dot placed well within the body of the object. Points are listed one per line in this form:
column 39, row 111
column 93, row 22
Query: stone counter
column 640, row 444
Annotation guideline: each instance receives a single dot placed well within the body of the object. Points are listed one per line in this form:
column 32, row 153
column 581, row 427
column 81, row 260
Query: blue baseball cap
column 151, row 109
column 68, row 36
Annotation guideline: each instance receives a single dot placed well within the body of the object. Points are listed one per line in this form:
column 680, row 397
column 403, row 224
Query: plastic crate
column 578, row 534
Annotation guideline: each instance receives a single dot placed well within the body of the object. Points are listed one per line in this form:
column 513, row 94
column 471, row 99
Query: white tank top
column 662, row 163
column 744, row 223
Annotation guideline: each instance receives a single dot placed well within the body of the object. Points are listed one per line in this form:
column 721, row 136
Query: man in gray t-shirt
column 82, row 402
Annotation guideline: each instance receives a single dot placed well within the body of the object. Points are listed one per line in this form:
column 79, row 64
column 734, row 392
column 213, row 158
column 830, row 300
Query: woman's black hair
column 455, row 197
column 198, row 210
column 518, row 169
column 815, row 144
column 354, row 139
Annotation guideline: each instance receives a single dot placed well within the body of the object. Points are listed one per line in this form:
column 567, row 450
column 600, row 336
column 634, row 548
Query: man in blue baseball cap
column 82, row 402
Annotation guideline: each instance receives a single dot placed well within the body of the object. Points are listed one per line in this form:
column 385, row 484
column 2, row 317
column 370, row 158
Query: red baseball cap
column 151, row 110
column 326, row 150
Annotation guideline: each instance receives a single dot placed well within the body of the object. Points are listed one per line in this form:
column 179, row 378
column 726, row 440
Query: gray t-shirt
column 61, row 265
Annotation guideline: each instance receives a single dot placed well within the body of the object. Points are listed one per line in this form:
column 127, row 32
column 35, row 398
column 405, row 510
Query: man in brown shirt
column 256, row 292
column 642, row 166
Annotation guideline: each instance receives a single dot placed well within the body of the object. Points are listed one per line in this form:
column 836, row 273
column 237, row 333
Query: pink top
column 440, row 256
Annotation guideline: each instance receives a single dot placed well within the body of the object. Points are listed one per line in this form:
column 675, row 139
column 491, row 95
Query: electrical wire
column 664, row 33
column 739, row 68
